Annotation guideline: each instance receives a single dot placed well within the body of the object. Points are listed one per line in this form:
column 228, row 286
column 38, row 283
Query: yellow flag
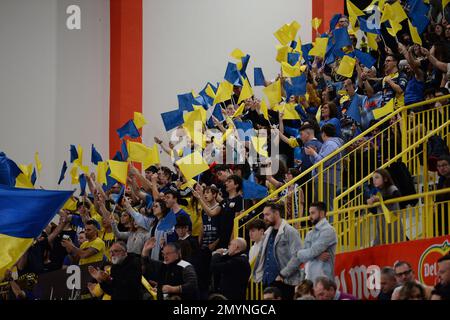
column 246, row 91
column 290, row 71
column 102, row 167
column 38, row 162
column 387, row 109
column 139, row 120
column 282, row 34
column 202, row 112
column 354, row 12
column 239, row 110
column 387, row 214
column 346, row 67
column 209, row 91
column 85, row 169
column 290, row 113
column 282, row 53
column 119, row 170
column 224, row 92
column 27, row 170
column 138, row 152
column 193, row 123
column 414, row 34
column 74, row 174
column 190, row 183
column 192, row 165
column 70, row 204
column 319, row 114
column 258, row 144
column 444, row 4
column 395, row 28
column 264, row 109
column 237, row 54
column 320, row 47
column 79, row 160
column 154, row 157
column 273, row 92
column 372, row 41
column 293, row 29
column 22, row 181
column 387, row 13
column 219, row 142
column 316, row 22
column 398, row 13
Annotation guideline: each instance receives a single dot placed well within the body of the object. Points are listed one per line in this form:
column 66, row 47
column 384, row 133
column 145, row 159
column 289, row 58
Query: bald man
column 233, row 268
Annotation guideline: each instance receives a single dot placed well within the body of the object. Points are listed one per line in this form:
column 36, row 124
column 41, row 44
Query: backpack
column 436, row 147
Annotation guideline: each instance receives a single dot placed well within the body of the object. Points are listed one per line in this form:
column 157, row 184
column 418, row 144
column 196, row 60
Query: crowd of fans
column 179, row 235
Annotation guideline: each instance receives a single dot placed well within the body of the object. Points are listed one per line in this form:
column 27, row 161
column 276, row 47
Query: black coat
column 234, row 274
column 126, row 280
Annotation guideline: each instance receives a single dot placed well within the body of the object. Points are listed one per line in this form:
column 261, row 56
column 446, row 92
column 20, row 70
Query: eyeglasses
column 116, row 251
column 404, row 273
column 165, row 254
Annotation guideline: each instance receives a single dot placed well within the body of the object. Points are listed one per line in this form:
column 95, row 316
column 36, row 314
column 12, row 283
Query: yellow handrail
column 392, row 160
column 333, row 154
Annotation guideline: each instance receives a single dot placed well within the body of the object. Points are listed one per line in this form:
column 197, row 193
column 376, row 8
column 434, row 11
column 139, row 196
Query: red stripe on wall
column 125, row 66
column 325, row 10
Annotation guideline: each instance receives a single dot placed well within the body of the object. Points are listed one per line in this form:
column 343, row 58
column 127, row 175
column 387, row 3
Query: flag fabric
column 315, row 23
column 117, row 197
column 95, row 155
column 290, row 113
column 33, row 177
column 172, row 119
column 62, row 173
column 74, row 174
column 82, row 179
column 295, row 86
column 185, row 102
column 246, row 91
column 139, row 152
column 364, row 26
column 273, row 92
column 128, row 129
column 289, row 71
column 264, row 110
column 70, row 204
column 258, row 144
column 9, row 171
column 38, row 162
column 237, row 54
column 258, row 77
column 365, row 58
column 253, row 190
column 346, row 67
column 385, row 110
column 293, row 58
column 282, row 52
column 118, row 156
column 215, row 111
column 239, row 111
column 23, row 215
column 119, row 171
column 224, row 92
column 102, row 167
column 414, row 34
column 139, row 120
column 192, row 165
column 232, row 74
column 243, row 65
column 372, row 41
column 305, row 52
column 341, row 38
column 353, row 13
column 418, row 12
column 244, row 130
column 353, row 110
column 124, row 150
column 193, row 124
column 320, row 47
column 73, row 153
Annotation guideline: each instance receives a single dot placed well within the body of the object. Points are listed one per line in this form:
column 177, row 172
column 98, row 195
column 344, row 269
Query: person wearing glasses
column 124, row 280
column 395, row 81
column 405, row 274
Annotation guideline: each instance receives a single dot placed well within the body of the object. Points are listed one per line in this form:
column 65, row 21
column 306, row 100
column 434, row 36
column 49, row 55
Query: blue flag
column 232, row 74
column 293, row 58
column 353, row 110
column 217, row 112
column 33, row 177
column 82, row 179
column 8, row 171
column 305, row 52
column 24, row 213
column 185, row 102
column 334, row 21
column 341, row 38
column 118, row 156
column 245, row 130
column 128, row 129
column 365, row 58
column 253, row 190
column 207, row 98
column 297, row 88
column 418, row 12
column 73, row 153
column 124, row 149
column 172, row 119
column 63, row 173
column 245, row 61
column 95, row 155
column 366, row 28
column 259, row 77
column 117, row 197
column 110, row 181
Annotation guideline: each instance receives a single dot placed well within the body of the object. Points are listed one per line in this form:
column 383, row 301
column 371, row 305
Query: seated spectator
column 124, row 281
column 304, row 291
column 326, row 289
column 404, row 273
column 411, row 290
column 234, row 269
column 388, row 283
column 272, row 293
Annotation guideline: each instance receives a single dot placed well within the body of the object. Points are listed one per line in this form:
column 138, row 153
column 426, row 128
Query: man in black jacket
column 174, row 277
column 124, row 282
column 234, row 269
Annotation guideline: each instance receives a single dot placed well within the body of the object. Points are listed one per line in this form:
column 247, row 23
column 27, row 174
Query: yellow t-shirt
column 196, row 218
column 97, row 244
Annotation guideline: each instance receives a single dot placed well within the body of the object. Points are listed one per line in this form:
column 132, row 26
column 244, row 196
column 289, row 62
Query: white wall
column 54, row 82
column 187, row 43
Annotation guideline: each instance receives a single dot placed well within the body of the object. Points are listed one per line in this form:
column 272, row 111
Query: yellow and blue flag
column 24, row 213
